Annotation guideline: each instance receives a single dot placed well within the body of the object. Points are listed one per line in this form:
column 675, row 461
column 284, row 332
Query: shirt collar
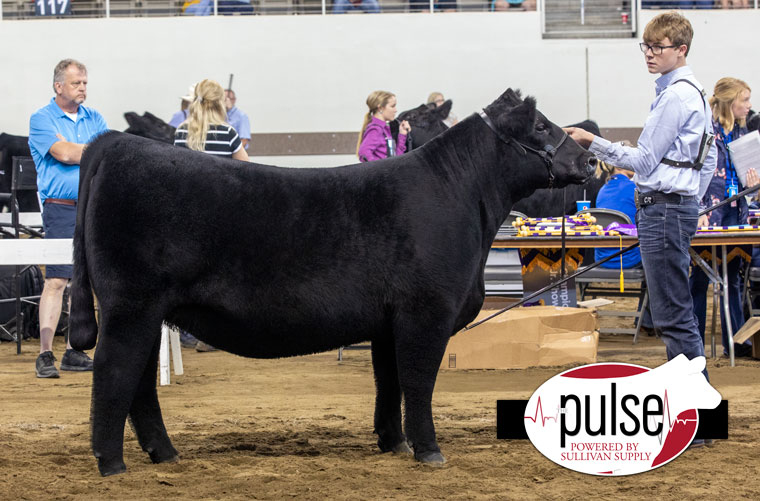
column 668, row 78
column 81, row 111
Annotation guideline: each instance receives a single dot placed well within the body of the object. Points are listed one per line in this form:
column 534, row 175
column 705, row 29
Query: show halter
column 546, row 154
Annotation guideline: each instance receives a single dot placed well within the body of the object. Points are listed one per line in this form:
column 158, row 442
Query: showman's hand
column 404, row 128
column 582, row 137
column 752, row 178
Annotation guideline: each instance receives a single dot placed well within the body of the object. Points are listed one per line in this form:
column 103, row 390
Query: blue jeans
column 368, row 6
column 698, row 283
column 665, row 233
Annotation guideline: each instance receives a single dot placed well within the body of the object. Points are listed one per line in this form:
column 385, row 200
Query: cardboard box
column 750, row 329
column 525, row 337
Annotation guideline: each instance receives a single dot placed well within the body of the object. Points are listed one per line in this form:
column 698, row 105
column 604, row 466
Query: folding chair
column 23, row 183
column 24, row 179
column 503, row 272
column 605, row 281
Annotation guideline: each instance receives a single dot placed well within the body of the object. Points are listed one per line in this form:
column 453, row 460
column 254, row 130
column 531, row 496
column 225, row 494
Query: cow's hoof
column 402, row 448
column 169, row 456
column 432, row 458
column 108, row 468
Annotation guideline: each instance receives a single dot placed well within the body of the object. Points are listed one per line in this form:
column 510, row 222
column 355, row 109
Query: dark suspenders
column 704, row 145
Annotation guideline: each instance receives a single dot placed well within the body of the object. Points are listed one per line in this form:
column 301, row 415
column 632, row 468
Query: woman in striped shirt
column 206, row 128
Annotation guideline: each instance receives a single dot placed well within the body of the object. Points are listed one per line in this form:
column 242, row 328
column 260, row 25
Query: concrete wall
column 313, row 73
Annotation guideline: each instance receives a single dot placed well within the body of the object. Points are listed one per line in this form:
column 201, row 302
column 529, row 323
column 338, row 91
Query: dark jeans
column 698, row 283
column 665, row 233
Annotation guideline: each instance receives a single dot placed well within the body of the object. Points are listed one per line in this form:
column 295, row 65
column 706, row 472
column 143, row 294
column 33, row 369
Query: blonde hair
column 206, row 109
column 671, row 25
column 727, row 91
column 375, row 101
column 433, row 96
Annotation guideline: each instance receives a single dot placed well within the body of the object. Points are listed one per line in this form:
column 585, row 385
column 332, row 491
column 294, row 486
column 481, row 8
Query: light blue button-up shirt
column 677, row 119
column 239, row 120
column 56, row 179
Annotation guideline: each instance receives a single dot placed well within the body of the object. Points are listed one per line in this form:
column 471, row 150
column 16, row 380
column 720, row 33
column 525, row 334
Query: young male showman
column 668, row 177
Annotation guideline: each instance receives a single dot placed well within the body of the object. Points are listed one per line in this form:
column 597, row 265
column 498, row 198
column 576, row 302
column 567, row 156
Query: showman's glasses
column 656, row 49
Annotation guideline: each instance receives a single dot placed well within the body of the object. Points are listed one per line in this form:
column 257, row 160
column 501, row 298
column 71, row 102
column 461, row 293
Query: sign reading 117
column 52, row 7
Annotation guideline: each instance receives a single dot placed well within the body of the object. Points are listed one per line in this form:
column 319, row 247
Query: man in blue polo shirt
column 237, row 118
column 58, row 134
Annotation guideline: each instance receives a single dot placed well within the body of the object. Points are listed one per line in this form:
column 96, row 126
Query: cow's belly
column 276, row 334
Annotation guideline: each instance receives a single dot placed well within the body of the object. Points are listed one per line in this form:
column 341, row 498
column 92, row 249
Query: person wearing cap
column 237, row 118
column 181, row 115
column 58, row 135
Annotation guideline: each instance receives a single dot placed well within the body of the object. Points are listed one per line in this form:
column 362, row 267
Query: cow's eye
column 541, row 127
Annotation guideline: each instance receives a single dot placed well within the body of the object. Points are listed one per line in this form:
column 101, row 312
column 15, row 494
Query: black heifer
column 427, row 121
column 270, row 262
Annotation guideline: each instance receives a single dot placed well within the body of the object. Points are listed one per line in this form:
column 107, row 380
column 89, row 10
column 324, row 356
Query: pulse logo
column 619, row 419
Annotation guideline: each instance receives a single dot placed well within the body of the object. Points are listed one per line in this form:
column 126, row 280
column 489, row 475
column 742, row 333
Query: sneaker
column 74, row 360
column 201, row 346
column 187, row 340
column 45, row 365
column 649, row 331
column 698, row 443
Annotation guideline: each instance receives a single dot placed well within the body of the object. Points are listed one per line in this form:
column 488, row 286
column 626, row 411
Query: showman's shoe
column 75, row 360
column 204, row 347
column 45, row 365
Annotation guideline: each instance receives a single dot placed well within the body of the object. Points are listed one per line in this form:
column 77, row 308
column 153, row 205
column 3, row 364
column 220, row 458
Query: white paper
column 745, row 153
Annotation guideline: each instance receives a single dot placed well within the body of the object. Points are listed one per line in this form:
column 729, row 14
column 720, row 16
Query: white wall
column 313, row 73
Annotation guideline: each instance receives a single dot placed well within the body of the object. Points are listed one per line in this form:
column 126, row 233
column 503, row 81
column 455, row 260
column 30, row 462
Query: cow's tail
column 83, row 328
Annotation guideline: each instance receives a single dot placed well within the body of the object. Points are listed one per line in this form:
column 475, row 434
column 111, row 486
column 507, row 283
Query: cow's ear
column 512, row 97
column 519, row 121
column 443, row 110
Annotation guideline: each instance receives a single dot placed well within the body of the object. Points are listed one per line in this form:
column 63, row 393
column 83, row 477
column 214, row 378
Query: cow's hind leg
column 419, row 352
column 145, row 414
column 388, row 400
column 125, row 346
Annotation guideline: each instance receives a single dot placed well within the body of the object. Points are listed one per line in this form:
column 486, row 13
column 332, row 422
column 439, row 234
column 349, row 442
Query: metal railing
column 35, row 9
column 580, row 14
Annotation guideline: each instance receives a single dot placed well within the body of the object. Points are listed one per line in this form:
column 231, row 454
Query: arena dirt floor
column 302, row 428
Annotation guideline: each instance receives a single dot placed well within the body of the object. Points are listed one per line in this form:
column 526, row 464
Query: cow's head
column 426, row 121
column 543, row 145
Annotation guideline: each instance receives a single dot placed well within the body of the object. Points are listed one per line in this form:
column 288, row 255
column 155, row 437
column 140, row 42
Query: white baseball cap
column 190, row 94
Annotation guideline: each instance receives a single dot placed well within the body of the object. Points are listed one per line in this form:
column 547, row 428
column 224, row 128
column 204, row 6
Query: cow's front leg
column 122, row 354
column 419, row 353
column 145, row 414
column 388, row 400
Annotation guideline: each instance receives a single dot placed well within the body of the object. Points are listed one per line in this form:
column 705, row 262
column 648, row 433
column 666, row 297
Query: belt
column 658, row 197
column 61, row 201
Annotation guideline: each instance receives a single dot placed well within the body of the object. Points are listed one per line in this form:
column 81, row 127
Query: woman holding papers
column 730, row 105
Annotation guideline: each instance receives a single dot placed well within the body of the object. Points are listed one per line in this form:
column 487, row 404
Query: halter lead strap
column 546, row 154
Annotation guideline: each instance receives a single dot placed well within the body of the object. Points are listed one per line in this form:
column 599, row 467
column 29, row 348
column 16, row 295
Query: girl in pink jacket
column 375, row 140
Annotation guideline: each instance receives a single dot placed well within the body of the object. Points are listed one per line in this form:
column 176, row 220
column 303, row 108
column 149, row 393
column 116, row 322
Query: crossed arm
column 66, row 152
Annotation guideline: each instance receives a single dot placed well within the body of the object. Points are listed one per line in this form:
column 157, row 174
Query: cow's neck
column 484, row 170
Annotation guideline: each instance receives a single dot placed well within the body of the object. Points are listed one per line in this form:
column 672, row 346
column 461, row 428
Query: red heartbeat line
column 540, row 410
column 672, row 424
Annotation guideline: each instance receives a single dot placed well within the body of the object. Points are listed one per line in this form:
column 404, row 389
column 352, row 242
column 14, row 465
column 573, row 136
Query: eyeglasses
column 656, row 49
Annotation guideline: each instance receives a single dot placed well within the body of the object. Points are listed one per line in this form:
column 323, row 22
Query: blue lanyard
column 732, row 184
